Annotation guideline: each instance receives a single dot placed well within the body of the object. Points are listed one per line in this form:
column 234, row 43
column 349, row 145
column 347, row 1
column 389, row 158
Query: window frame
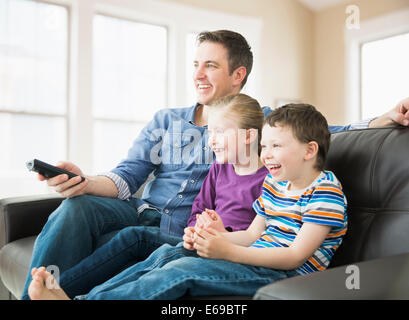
column 370, row 30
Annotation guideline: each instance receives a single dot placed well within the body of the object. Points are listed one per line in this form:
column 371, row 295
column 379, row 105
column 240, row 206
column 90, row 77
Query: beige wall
column 329, row 56
column 287, row 44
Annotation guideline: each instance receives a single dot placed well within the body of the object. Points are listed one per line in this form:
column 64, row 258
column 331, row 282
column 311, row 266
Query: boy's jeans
column 172, row 271
column 79, row 225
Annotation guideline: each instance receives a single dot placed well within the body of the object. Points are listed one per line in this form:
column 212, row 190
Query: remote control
column 47, row 170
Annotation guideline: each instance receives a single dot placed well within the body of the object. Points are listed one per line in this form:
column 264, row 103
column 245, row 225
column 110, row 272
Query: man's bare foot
column 44, row 286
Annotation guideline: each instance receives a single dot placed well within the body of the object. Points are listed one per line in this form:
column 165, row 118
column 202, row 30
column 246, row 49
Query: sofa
column 371, row 263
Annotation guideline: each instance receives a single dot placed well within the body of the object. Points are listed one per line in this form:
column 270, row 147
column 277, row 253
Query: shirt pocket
column 176, row 150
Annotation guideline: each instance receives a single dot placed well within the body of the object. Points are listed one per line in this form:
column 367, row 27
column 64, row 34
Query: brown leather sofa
column 372, row 262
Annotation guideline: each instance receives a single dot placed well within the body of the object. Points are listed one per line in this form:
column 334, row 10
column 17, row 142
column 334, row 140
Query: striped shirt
column 285, row 211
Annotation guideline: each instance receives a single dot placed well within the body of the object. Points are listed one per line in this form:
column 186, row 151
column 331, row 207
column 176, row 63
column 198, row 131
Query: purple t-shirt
column 230, row 195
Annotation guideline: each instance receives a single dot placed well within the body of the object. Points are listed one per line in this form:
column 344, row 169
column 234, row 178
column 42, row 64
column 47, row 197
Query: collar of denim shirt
column 192, row 115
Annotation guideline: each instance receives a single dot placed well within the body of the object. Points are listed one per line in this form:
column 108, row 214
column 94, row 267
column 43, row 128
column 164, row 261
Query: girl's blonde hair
column 243, row 109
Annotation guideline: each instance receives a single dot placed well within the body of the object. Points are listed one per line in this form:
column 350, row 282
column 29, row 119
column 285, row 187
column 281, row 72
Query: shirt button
column 192, row 181
column 166, row 211
column 204, row 148
column 180, row 196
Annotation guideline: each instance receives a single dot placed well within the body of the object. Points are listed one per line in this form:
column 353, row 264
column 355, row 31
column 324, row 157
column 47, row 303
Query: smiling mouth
column 271, row 165
column 273, row 168
column 203, row 86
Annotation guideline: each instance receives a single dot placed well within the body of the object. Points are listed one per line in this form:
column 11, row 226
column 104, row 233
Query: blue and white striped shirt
column 323, row 202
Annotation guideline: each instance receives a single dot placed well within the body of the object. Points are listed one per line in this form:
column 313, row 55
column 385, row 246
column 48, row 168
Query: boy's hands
column 205, row 237
column 210, row 243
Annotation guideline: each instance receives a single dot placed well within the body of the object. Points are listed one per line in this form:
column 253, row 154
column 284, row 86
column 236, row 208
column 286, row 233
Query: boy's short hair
column 307, row 124
column 238, row 50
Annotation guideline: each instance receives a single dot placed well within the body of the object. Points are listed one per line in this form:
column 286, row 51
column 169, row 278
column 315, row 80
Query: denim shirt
column 176, row 151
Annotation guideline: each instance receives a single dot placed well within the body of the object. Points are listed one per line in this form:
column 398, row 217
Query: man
column 174, row 147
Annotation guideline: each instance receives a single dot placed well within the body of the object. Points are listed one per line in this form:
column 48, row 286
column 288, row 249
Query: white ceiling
column 317, row 5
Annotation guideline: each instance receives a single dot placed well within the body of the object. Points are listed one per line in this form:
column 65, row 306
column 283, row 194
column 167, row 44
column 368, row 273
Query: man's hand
column 65, row 186
column 399, row 115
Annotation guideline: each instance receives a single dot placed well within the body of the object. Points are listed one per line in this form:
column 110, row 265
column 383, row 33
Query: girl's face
column 282, row 153
column 226, row 139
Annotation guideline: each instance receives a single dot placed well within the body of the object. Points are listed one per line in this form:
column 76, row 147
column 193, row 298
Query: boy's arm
column 193, row 235
column 249, row 236
column 212, row 244
column 308, row 240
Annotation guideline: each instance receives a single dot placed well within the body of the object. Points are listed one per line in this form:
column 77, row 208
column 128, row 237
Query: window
column 190, row 56
column 129, row 83
column 33, row 90
column 376, row 65
column 384, row 72
column 80, row 79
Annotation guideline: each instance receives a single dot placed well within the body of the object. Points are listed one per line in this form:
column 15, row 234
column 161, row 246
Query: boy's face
column 211, row 76
column 282, row 153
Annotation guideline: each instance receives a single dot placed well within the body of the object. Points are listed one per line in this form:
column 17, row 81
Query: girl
column 224, row 202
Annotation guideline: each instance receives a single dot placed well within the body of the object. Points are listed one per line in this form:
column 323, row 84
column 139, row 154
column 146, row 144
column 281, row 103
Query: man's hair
column 307, row 124
column 238, row 50
column 243, row 109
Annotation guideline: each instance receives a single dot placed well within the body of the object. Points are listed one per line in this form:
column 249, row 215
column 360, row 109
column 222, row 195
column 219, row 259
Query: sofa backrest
column 373, row 167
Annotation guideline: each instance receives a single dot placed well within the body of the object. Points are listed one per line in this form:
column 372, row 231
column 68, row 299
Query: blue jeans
column 172, row 271
column 127, row 247
column 79, row 225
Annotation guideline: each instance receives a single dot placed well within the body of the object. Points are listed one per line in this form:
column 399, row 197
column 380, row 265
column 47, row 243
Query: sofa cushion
column 384, row 278
column 14, row 263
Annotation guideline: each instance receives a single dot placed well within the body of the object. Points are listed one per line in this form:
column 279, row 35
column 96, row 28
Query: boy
column 300, row 222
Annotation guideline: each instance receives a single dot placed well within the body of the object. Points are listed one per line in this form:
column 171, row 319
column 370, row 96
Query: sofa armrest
column 384, row 278
column 22, row 217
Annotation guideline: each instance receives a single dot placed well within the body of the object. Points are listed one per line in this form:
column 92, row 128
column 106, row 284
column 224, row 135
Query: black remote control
column 47, row 170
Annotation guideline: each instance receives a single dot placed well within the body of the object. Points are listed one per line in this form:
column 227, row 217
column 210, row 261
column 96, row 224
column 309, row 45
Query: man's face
column 211, row 73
